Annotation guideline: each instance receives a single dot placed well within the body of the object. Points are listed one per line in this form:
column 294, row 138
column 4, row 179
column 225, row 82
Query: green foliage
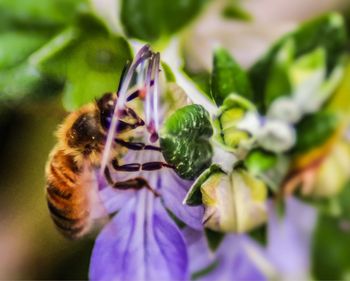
column 88, row 58
column 278, row 83
column 323, row 125
column 31, row 14
column 330, row 258
column 18, row 78
column 228, row 77
column 83, row 59
column 202, row 80
column 205, row 271
column 25, row 26
column 185, row 141
column 214, row 238
column 259, row 234
column 326, row 32
column 236, row 12
column 340, row 101
column 259, row 161
column 150, row 20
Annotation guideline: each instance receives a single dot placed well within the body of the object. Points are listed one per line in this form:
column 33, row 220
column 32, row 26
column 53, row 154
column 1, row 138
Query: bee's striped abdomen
column 65, row 194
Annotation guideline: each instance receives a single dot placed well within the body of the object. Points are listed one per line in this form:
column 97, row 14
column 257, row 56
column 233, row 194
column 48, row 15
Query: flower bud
column 234, row 202
column 230, row 132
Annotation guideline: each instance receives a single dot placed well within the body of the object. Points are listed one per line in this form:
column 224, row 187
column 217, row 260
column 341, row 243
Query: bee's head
column 85, row 134
column 106, row 105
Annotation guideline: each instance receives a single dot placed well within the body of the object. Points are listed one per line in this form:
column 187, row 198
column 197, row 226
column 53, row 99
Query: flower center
column 139, row 80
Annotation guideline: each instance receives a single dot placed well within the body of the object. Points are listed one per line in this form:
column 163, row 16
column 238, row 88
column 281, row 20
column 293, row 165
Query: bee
column 71, row 182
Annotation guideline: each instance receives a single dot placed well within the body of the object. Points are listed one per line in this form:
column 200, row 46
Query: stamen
column 156, row 91
column 148, row 93
column 152, row 92
column 141, row 56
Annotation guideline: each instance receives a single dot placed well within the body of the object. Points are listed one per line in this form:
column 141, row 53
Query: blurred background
column 80, row 58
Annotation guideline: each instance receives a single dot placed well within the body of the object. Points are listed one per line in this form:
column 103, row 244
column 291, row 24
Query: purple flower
column 231, row 261
column 285, row 257
column 289, row 239
column 142, row 241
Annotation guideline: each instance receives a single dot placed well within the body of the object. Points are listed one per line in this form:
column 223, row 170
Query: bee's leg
column 108, row 176
column 133, row 95
column 137, row 145
column 134, row 167
column 135, row 183
column 127, row 111
column 156, row 165
column 124, row 126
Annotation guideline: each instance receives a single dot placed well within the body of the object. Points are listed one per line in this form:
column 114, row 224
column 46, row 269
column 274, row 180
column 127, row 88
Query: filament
column 142, row 55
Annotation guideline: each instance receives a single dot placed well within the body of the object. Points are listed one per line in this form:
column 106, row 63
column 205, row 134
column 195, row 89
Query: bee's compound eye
column 106, row 106
column 106, row 102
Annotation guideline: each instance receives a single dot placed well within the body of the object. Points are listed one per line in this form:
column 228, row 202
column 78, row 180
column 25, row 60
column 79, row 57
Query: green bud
column 235, row 202
column 229, row 131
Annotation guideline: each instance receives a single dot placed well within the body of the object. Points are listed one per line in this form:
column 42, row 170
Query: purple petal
column 140, row 243
column 173, row 193
column 289, row 239
column 198, row 250
column 113, row 200
column 234, row 263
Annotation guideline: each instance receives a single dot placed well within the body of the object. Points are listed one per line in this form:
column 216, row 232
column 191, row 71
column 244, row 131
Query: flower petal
column 173, row 192
column 113, row 200
column 199, row 252
column 290, row 238
column 234, row 263
column 140, row 243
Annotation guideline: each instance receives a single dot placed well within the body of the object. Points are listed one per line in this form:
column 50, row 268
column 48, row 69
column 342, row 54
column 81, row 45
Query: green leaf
column 236, row 12
column 326, row 32
column 25, row 26
column 19, row 78
column 169, row 75
column 194, row 195
column 203, row 272
column 330, row 254
column 150, row 20
column 314, row 130
column 228, row 78
column 259, row 161
column 278, row 83
column 340, row 101
column 29, row 14
column 306, row 66
column 25, row 81
column 214, row 238
column 201, row 79
column 88, row 58
column 259, row 234
column 185, row 140
column 17, row 45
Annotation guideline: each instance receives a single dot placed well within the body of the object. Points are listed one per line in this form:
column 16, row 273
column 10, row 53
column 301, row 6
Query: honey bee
column 71, row 169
